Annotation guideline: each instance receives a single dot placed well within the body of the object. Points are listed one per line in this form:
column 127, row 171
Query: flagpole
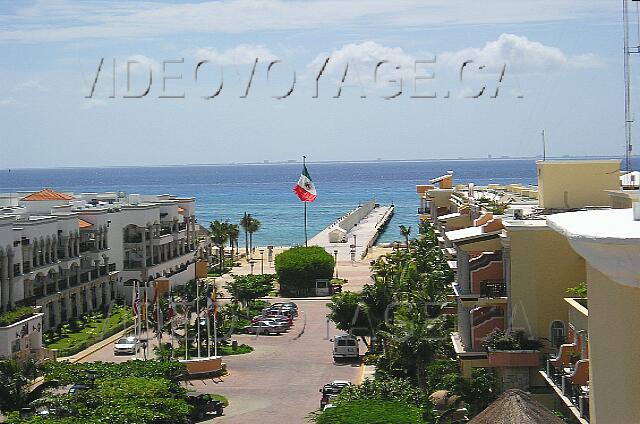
column 208, row 333
column 198, row 314
column 215, row 319
column 305, row 208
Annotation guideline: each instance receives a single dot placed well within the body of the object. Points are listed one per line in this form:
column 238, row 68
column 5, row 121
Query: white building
column 73, row 253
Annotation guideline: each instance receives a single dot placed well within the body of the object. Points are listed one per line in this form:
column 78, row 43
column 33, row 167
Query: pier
column 355, row 231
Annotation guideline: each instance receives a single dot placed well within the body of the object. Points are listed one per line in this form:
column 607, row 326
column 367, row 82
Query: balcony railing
column 112, row 267
column 133, row 239
column 493, row 289
column 133, row 265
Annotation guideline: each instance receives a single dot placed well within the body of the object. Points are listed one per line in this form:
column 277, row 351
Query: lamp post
column 251, row 263
column 261, row 261
column 335, row 257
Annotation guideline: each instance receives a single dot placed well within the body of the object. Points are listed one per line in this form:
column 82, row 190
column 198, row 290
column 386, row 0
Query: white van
column 345, row 346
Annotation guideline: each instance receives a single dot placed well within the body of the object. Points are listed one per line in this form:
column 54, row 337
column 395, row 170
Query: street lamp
column 251, row 262
column 261, row 261
column 355, row 237
column 92, row 375
column 335, row 257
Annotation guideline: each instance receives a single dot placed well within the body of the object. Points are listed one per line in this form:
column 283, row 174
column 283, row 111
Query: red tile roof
column 84, row 224
column 47, row 194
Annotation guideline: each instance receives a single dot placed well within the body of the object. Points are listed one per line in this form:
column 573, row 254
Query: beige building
column 517, row 278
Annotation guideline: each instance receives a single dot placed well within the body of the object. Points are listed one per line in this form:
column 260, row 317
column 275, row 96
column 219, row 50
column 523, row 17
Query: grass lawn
column 89, row 329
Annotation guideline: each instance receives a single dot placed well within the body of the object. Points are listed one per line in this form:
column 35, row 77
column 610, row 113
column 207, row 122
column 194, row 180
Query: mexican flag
column 305, row 189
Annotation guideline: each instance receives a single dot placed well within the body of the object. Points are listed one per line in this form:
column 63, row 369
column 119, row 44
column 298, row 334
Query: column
column 55, row 250
column 462, row 260
column 4, row 282
column 506, row 272
column 87, row 294
column 144, row 247
column 77, row 246
column 58, row 311
column 464, row 326
column 10, row 279
column 67, row 302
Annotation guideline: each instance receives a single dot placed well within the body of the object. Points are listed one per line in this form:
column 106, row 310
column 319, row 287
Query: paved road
column 279, row 381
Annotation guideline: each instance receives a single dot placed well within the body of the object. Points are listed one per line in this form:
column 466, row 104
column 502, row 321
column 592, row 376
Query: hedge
column 18, row 314
column 299, row 268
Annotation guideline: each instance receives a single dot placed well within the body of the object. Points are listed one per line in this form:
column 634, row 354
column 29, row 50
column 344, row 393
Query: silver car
column 127, row 346
column 263, row 327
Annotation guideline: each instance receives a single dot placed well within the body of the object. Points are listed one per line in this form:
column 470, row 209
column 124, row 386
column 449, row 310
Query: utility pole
column 628, row 119
column 544, row 147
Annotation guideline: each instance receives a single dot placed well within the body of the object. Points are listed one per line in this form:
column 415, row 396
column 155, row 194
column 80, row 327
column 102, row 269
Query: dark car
column 78, row 387
column 204, row 404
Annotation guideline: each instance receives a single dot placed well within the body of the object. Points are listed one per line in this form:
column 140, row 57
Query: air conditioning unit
column 518, row 214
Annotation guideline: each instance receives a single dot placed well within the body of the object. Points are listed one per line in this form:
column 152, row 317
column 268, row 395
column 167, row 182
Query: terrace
column 568, row 371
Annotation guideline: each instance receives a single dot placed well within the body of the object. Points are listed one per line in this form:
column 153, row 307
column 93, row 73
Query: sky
column 121, row 83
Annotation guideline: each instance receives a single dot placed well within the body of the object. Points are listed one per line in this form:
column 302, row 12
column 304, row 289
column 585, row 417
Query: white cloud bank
column 521, row 55
column 64, row 20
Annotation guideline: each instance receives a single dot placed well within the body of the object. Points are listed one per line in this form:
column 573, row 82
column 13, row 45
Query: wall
column 575, row 184
column 542, row 266
column 614, row 345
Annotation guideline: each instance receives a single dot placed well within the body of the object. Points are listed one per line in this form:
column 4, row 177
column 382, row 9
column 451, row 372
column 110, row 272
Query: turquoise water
column 266, row 191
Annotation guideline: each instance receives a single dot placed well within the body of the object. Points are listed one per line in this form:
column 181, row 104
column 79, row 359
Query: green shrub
column 18, row 314
column 369, row 411
column 512, row 340
column 299, row 268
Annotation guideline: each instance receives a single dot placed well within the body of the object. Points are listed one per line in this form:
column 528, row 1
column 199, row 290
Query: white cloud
column 7, row 101
column 521, row 55
column 240, row 55
column 32, row 84
column 63, row 20
column 362, row 60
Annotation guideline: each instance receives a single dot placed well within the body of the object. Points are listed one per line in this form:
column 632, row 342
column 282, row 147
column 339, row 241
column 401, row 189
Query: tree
column 405, row 232
column 233, row 232
column 246, row 288
column 245, row 223
column 219, row 236
column 15, row 379
column 254, row 226
column 345, row 307
column 299, row 268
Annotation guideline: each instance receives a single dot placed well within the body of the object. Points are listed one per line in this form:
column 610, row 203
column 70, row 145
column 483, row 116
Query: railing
column 62, row 284
column 84, row 278
column 112, row 267
column 492, row 313
column 16, row 268
column 493, row 289
column 423, row 210
column 133, row 265
column 133, row 239
column 73, row 280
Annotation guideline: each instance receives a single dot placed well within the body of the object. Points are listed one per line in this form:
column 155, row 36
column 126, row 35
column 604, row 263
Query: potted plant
column 512, row 349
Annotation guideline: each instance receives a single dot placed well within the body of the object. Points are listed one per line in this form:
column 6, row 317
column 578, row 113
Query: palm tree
column 254, row 226
column 234, row 233
column 405, row 232
column 245, row 223
column 219, row 236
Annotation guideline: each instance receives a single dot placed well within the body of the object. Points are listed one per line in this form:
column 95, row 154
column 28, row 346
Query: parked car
column 203, row 404
column 345, row 346
column 126, row 345
column 262, row 327
column 331, row 391
column 279, row 321
column 77, row 387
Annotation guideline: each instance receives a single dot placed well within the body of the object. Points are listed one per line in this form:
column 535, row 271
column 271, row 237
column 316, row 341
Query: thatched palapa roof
column 516, row 407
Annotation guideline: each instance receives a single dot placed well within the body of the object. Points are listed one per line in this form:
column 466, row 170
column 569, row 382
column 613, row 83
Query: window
column 557, row 333
column 351, row 342
column 342, row 342
column 15, row 346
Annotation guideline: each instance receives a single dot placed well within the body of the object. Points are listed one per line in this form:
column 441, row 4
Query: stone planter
column 514, row 358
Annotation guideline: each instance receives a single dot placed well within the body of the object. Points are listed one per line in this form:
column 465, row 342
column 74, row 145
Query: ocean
column 266, row 190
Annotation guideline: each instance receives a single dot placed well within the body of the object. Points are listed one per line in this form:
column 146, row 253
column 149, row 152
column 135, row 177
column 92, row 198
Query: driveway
column 279, row 381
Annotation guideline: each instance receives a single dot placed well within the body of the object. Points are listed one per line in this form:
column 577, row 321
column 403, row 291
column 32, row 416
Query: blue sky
column 563, row 74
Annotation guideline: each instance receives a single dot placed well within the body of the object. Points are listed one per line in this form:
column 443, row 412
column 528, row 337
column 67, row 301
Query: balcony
column 493, row 289
column 570, row 381
column 132, row 265
column 514, row 358
column 133, row 239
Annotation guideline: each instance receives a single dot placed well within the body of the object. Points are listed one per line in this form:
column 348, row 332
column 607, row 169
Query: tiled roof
column 84, row 224
column 47, row 194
